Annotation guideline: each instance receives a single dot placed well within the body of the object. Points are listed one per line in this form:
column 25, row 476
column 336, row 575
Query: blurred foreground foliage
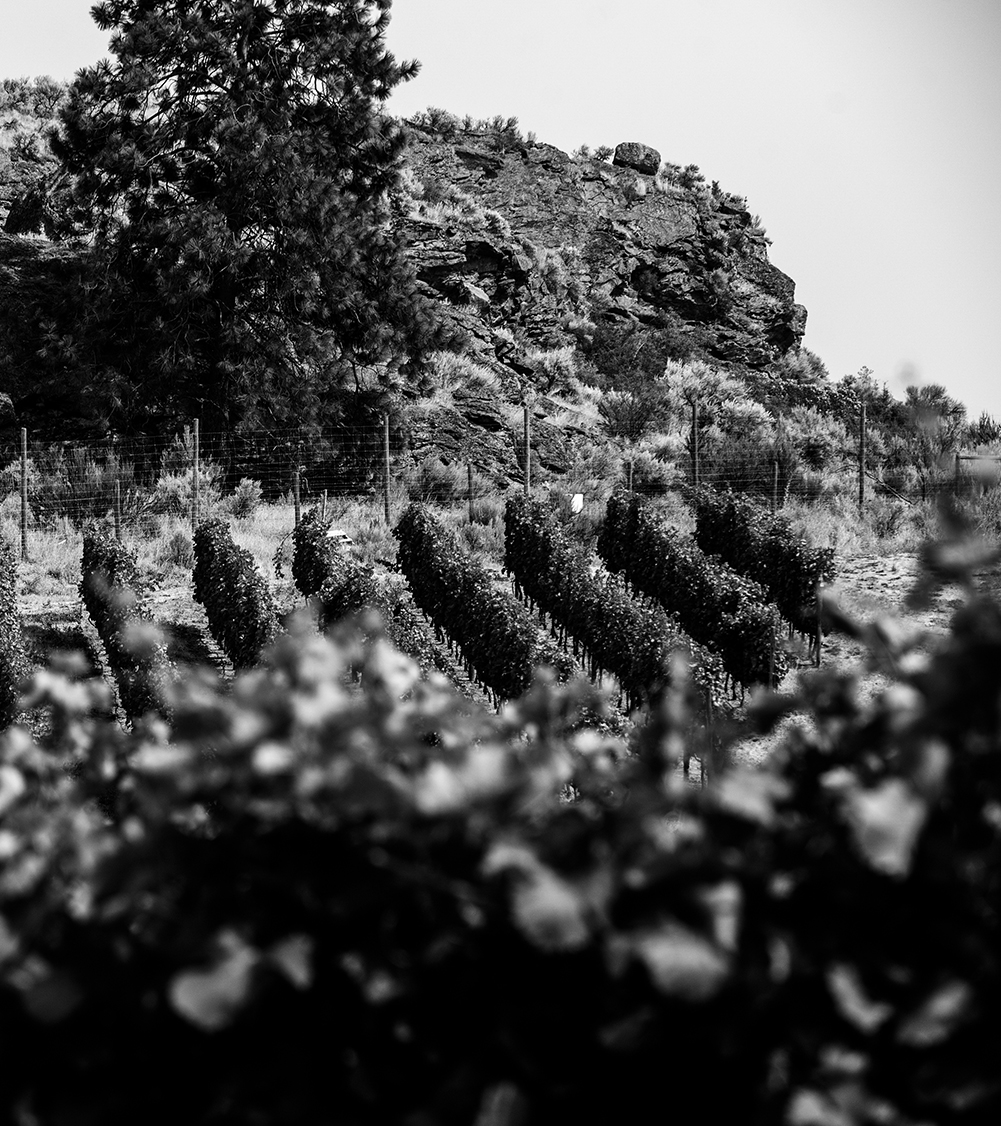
column 337, row 892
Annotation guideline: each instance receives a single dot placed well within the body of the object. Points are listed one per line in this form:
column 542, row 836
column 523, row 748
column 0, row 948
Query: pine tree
column 233, row 161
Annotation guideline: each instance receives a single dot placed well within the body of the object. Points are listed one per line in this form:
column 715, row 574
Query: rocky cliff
column 524, row 237
column 527, row 250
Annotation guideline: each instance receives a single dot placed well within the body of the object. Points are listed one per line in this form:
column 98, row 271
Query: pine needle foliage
column 233, row 162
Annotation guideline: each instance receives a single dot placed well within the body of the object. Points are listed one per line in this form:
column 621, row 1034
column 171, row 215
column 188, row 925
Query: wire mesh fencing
column 135, row 482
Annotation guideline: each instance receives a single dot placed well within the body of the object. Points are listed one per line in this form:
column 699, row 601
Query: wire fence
column 135, row 481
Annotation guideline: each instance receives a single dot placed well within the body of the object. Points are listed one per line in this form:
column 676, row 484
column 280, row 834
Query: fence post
column 118, row 510
column 323, row 508
column 820, row 630
column 695, row 442
column 955, row 477
column 24, row 495
column 469, row 488
column 630, row 474
column 295, row 492
column 195, row 471
column 528, row 453
column 771, row 651
column 385, row 466
column 861, row 459
column 775, row 484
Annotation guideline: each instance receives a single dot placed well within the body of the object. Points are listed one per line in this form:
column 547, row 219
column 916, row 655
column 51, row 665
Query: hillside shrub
column 114, row 597
column 13, row 664
column 76, row 483
column 433, row 481
column 294, row 906
column 246, row 498
column 237, row 599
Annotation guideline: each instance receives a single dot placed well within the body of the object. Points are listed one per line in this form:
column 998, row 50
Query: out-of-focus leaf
column 885, row 824
column 936, row 1018
column 549, row 911
column 211, row 997
column 53, row 998
column 12, row 786
column 852, row 1001
column 681, row 963
column 750, row 794
column 293, row 956
column 502, row 1105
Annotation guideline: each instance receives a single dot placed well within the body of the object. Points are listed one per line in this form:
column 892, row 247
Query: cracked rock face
column 527, row 240
column 641, row 158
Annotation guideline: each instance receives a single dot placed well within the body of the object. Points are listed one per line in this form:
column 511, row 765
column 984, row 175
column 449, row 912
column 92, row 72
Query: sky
column 865, row 133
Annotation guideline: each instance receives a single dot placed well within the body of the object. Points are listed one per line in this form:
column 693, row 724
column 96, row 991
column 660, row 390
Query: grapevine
column 112, row 592
column 237, row 600
column 716, row 605
column 13, row 665
column 762, row 546
column 497, row 636
column 610, row 629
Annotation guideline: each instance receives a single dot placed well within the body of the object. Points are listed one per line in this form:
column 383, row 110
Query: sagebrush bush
column 172, row 493
column 431, row 481
column 246, row 498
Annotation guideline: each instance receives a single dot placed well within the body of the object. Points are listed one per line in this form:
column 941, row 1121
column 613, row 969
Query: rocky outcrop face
column 641, row 158
column 523, row 238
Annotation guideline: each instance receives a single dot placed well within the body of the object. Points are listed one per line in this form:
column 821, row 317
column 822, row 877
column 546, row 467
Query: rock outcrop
column 525, row 238
column 642, row 158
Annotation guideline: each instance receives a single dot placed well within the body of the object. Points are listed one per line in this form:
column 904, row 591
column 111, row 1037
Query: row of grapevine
column 716, row 605
column 13, row 666
column 342, row 587
column 497, row 635
column 237, row 600
column 112, row 593
column 761, row 545
column 617, row 633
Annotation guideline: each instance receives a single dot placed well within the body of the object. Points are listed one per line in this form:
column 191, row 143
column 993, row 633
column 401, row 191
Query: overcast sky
column 864, row 132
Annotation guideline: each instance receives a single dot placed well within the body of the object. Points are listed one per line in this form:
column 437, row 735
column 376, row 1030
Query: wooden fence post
column 861, row 459
column 24, row 495
column 775, row 484
column 323, row 507
column 118, row 510
column 385, row 467
column 195, row 471
column 695, row 442
column 469, row 488
column 771, row 652
column 820, row 630
column 528, row 453
column 295, row 491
